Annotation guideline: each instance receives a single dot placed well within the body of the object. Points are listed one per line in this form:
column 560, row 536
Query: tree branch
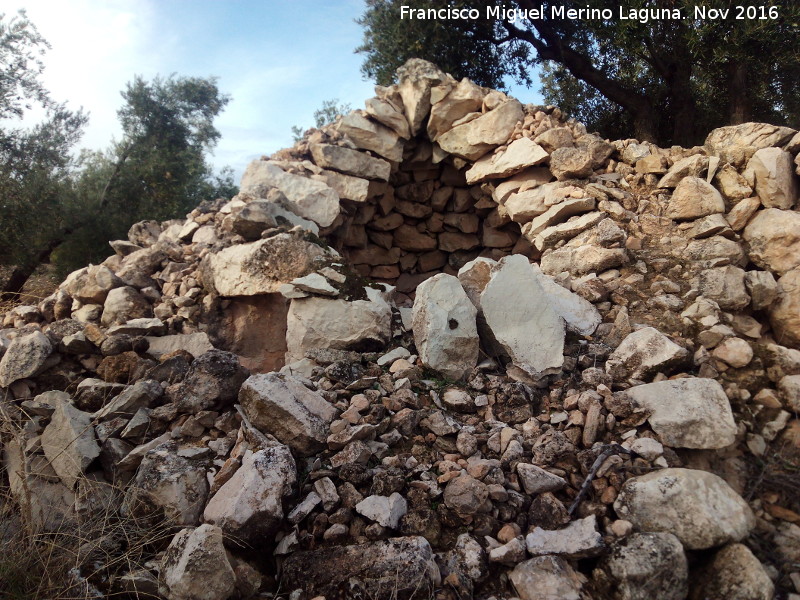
column 117, row 169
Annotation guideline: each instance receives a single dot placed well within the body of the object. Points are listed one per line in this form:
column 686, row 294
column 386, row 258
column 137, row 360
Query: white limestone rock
column 546, row 578
column 518, row 312
column 526, row 202
column 579, row 539
column 369, row 135
column 690, row 166
column 124, row 304
column 474, row 276
column 91, row 284
column 195, row 566
column 698, row 507
column 773, row 236
column 26, row 354
column 644, row 566
column 733, row 574
column 460, row 100
column 384, row 510
column 309, row 198
column 736, row 144
column 415, row 79
column 170, row 482
column 519, row 155
column 784, row 314
column 583, row 259
column 349, row 187
column 475, row 138
column 337, row 323
column 690, row 412
column 141, row 394
column 762, row 287
column 725, row 286
column 776, row 182
column 443, row 322
column 693, row 198
column 145, row 326
column 387, row 113
column 557, row 213
column 552, row 234
column 261, row 267
column 249, row 506
column 68, row 442
column 251, row 219
column 282, row 406
column 536, row 480
column 579, row 314
column 315, row 283
column 642, row 353
column 48, row 504
column 350, row 162
column 393, row 355
column 195, row 344
column 735, row 352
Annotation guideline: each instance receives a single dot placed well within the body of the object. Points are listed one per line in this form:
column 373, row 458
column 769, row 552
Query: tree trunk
column 552, row 47
column 114, row 174
column 20, row 275
column 685, row 129
column 739, row 104
column 644, row 126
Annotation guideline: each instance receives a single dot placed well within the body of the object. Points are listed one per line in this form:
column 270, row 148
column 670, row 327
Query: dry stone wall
column 449, row 346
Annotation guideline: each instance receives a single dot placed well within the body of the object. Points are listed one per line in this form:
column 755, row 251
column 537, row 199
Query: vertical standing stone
column 443, row 321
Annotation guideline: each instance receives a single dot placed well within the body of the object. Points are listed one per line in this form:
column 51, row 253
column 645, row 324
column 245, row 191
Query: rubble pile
column 448, row 347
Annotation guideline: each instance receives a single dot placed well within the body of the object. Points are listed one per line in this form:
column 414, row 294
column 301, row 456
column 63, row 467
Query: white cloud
column 97, row 47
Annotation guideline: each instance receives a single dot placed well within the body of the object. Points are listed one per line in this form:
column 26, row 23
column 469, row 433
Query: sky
column 278, row 60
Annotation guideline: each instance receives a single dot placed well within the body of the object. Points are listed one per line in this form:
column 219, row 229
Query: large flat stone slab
column 691, row 412
column 477, row 137
column 282, row 406
column 261, row 267
column 443, row 321
column 521, row 318
column 520, row 154
column 310, row 198
column 350, row 162
column 698, row 507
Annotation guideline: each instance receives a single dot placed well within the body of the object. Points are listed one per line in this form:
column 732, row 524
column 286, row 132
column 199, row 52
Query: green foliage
column 329, row 111
column 157, row 171
column 324, row 115
column 667, row 80
column 36, row 190
column 462, row 48
column 52, row 203
column 21, row 47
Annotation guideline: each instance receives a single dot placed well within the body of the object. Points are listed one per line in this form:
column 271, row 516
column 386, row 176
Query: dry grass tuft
column 72, row 556
column 41, row 284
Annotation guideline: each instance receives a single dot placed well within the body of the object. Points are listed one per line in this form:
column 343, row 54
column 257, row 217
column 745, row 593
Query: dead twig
column 609, row 450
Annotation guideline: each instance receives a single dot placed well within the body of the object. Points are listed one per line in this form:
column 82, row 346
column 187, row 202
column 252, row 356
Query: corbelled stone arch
column 434, row 173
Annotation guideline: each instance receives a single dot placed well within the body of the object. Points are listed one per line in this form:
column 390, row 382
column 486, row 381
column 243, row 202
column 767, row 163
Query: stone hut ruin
column 449, row 346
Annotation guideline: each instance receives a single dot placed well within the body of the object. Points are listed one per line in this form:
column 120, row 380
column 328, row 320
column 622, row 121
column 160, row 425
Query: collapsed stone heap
column 450, row 346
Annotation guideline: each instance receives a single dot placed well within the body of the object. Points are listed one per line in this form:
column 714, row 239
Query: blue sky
column 277, row 59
